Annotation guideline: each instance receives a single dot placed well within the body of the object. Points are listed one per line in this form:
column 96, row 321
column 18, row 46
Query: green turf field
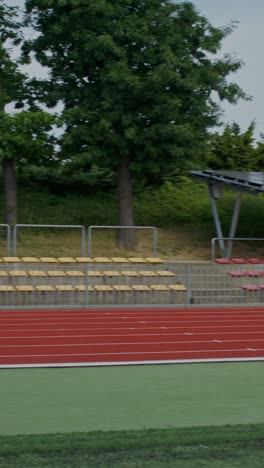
column 39, row 401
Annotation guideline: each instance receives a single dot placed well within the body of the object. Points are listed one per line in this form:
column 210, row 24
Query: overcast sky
column 246, row 42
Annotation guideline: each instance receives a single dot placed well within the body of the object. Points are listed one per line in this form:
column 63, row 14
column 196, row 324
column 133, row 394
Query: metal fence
column 169, row 285
column 7, row 229
column 17, row 227
column 148, row 228
column 227, row 244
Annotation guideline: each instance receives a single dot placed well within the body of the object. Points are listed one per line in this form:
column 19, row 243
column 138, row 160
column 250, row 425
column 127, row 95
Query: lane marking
column 127, row 343
column 239, row 350
column 204, row 327
column 18, row 337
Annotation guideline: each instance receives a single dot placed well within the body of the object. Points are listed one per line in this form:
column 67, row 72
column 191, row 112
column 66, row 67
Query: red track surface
column 106, row 337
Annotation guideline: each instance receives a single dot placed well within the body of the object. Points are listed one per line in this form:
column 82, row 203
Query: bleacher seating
column 107, row 280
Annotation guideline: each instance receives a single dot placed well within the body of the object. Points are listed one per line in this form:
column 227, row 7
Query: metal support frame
column 217, row 221
column 233, row 225
column 216, row 192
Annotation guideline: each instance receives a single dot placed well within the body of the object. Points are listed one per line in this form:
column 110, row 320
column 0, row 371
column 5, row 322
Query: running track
column 58, row 338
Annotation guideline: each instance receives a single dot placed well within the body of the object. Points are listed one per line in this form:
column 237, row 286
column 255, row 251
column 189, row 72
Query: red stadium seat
column 237, row 273
column 254, row 273
column 251, row 287
column 238, row 261
column 223, row 261
column 255, row 260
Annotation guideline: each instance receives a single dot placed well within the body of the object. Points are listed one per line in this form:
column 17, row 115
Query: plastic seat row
column 98, row 288
column 249, row 273
column 90, row 273
column 61, row 260
column 239, row 261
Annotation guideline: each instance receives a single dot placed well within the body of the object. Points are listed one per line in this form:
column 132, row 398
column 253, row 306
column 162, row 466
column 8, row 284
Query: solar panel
column 252, row 182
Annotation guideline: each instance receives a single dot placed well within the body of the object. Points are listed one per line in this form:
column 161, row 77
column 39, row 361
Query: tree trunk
column 126, row 237
column 10, row 190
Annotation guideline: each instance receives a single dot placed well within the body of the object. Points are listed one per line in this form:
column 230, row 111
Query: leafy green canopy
column 23, row 135
column 137, row 78
column 11, row 80
column 234, row 150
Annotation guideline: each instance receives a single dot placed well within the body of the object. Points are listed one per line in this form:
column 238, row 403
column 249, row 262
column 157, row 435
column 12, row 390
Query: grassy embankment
column 181, row 213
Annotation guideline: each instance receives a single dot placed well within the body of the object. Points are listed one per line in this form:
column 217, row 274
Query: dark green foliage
column 187, row 203
column 136, row 78
column 235, row 150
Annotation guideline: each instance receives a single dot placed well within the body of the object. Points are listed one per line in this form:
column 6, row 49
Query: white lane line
column 126, row 343
column 106, row 326
column 160, row 319
column 91, row 335
column 239, row 350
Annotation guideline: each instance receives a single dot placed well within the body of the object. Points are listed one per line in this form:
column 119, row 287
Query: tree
column 136, row 78
column 24, row 138
column 23, row 133
column 233, row 149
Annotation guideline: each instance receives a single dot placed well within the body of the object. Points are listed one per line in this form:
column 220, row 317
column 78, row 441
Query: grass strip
column 214, row 447
column 101, row 440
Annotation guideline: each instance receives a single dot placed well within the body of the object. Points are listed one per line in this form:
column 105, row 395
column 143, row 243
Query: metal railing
column 153, row 229
column 229, row 240
column 8, row 237
column 49, row 226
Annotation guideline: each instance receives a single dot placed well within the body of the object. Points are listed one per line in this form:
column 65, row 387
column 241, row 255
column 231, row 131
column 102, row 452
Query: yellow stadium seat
column 119, row 260
column 137, row 260
column 112, row 273
column 65, row 287
column 48, row 260
column 102, row 260
column 159, row 287
column 165, row 273
column 154, row 260
column 121, row 287
column 30, row 259
column 130, row 273
column 7, row 288
column 11, row 259
column 66, row 260
column 103, row 288
column 44, row 288
column 17, row 273
column 140, row 287
column 177, row 287
column 75, row 273
column 56, row 273
column 3, row 273
column 25, row 288
column 84, row 260
column 95, row 273
column 148, row 273
column 83, row 287
column 37, row 273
